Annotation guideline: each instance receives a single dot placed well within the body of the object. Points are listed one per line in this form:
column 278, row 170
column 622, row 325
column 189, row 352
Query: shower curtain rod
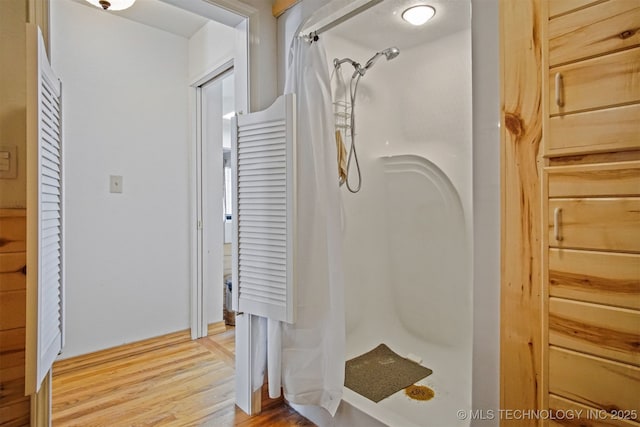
column 312, row 32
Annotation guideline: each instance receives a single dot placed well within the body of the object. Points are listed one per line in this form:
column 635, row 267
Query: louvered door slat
column 260, row 146
column 45, row 219
column 263, row 158
column 50, row 189
column 255, row 254
column 264, row 123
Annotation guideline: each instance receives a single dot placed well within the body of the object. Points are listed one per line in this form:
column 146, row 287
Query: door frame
column 250, row 92
column 199, row 314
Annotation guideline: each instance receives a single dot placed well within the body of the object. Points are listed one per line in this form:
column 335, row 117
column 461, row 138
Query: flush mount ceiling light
column 418, row 15
column 112, row 4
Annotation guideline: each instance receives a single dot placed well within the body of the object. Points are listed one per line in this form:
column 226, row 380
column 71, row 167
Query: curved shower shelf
column 417, row 164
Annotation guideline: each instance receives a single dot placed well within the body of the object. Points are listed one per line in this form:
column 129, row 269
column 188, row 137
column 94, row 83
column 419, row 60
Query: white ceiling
column 382, row 25
column 164, row 16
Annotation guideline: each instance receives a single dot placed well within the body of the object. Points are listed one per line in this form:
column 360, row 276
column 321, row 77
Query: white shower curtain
column 313, row 349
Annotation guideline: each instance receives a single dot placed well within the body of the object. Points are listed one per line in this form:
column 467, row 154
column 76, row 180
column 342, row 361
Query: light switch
column 8, row 161
column 5, row 161
column 115, row 184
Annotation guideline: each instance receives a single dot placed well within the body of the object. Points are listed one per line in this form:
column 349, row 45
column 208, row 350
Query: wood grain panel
column 520, row 133
column 615, row 128
column 585, row 416
column 600, row 277
column 281, row 6
column 609, row 332
column 12, row 371
column 593, row 381
column 12, row 340
column 12, row 389
column 13, row 271
column 560, row 7
column 13, row 230
column 599, row 224
column 12, row 374
column 591, row 158
column 616, row 179
column 16, row 413
column 12, row 366
column 597, row 83
column 597, row 30
column 12, row 398
column 12, row 309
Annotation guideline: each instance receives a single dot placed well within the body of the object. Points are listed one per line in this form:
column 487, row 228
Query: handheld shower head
column 390, row 53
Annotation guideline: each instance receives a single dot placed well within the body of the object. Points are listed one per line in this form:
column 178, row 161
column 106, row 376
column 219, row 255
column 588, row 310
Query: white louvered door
column 44, row 214
column 263, row 155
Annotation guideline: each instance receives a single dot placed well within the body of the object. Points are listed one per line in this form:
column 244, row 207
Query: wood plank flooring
column 179, row 383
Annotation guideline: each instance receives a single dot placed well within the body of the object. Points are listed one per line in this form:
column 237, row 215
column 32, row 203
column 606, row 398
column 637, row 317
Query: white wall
column 211, row 47
column 393, row 119
column 486, row 205
column 125, row 106
column 263, row 50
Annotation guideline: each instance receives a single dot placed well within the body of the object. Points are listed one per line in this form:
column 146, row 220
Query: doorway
column 157, row 165
column 215, row 106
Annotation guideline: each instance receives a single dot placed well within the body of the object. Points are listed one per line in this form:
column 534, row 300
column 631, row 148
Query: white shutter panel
column 44, row 213
column 263, row 155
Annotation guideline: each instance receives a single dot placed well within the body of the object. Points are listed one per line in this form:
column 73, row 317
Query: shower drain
column 419, row 392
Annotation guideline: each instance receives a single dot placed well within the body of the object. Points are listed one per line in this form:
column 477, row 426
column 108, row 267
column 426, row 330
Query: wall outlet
column 115, row 183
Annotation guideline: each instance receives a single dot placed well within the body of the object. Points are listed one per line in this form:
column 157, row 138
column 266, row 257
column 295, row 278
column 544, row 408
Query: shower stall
column 407, row 227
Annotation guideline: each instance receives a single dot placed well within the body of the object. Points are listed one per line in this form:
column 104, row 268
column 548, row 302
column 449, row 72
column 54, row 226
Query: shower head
column 390, row 53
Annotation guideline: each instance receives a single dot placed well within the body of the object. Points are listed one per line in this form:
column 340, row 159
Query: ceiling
column 166, row 16
column 382, row 25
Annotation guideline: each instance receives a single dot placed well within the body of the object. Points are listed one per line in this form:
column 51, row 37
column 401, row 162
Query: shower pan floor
column 451, row 381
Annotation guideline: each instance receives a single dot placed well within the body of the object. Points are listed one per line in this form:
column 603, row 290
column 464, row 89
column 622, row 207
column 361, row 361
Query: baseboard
column 119, row 352
column 216, row 328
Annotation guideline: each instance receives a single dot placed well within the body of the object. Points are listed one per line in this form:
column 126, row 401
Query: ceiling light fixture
column 418, row 15
column 112, row 4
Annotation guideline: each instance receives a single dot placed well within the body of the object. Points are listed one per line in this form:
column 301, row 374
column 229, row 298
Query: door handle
column 559, row 90
column 557, row 217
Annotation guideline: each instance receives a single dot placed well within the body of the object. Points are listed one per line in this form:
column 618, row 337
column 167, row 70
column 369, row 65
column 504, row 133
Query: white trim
column 200, row 323
column 248, row 44
column 234, row 6
column 199, row 328
column 335, row 13
column 213, row 73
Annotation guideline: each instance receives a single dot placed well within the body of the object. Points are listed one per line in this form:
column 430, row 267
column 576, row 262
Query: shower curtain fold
column 313, row 348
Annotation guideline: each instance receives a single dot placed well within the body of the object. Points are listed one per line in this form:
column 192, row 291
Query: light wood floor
column 176, row 382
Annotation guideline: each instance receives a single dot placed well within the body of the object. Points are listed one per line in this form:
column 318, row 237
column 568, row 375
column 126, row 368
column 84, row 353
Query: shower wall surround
column 477, row 184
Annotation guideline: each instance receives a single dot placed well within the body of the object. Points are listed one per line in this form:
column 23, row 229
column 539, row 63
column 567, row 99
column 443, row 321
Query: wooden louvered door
column 44, row 214
column 263, row 155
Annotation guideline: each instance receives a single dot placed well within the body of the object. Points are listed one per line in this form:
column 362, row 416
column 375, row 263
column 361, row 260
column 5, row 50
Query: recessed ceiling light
column 418, row 15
